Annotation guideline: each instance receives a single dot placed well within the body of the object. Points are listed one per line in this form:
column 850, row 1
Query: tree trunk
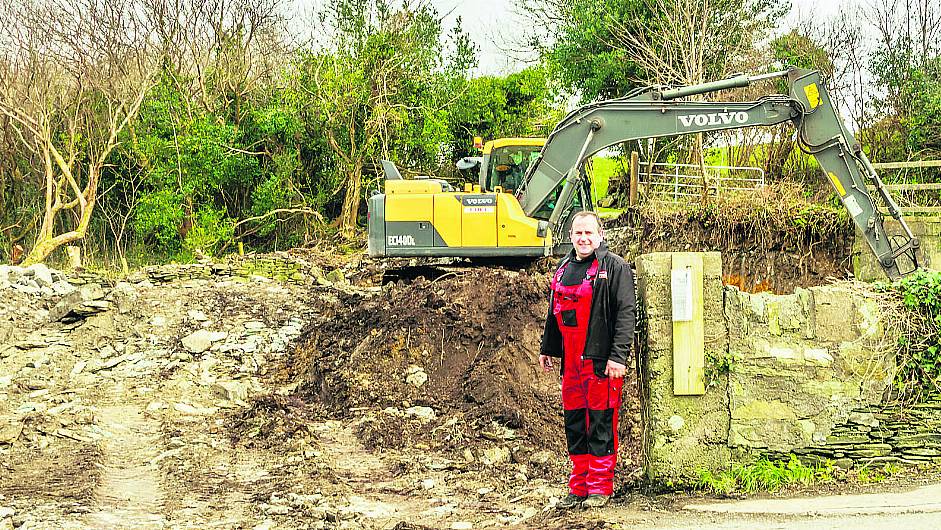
column 46, row 243
column 350, row 212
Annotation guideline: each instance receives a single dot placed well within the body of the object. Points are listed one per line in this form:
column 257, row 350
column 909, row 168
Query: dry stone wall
column 802, row 373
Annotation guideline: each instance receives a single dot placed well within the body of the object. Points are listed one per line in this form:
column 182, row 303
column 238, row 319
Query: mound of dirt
column 446, row 365
column 467, row 343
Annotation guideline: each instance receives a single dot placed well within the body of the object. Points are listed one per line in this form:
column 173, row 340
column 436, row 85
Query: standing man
column 590, row 325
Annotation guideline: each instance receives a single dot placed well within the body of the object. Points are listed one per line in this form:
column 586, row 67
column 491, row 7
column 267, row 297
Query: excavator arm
column 655, row 112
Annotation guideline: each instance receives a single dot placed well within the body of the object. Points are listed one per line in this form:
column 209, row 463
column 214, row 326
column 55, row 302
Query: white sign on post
column 681, row 288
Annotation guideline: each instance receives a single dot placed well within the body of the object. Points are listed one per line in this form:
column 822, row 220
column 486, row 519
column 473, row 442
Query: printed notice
column 681, row 286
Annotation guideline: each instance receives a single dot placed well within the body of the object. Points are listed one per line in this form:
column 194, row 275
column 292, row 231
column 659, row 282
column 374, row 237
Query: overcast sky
column 492, row 23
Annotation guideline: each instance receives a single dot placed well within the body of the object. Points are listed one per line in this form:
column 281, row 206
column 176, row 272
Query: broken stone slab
column 10, row 432
column 64, row 306
column 230, row 390
column 425, row 414
column 336, row 276
column 31, row 343
column 108, row 364
column 191, row 410
column 90, row 307
column 72, row 435
column 63, row 287
column 123, row 296
column 416, row 376
column 30, row 288
column 201, row 340
column 254, row 325
column 196, row 315
column 492, row 456
column 41, row 273
column 92, row 291
column 78, row 367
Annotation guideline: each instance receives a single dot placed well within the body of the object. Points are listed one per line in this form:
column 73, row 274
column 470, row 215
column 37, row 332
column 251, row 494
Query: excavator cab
column 508, row 164
column 503, row 163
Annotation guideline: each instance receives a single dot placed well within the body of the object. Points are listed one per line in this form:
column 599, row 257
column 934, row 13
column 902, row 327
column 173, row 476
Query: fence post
column 635, row 175
column 676, row 183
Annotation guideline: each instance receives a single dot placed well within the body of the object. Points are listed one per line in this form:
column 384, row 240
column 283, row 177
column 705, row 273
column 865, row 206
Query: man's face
column 586, row 236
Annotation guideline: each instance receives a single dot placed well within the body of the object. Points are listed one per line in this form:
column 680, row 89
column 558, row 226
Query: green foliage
column 158, row 218
column 873, row 475
column 797, row 49
column 919, row 351
column 586, row 56
column 210, row 233
column 518, row 105
column 717, row 365
column 602, row 171
column 923, row 90
column 765, row 475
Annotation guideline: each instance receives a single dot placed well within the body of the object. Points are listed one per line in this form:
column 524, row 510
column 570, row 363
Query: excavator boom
column 424, row 218
column 653, row 112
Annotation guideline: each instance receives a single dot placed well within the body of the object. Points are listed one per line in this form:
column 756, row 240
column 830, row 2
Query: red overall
column 589, row 398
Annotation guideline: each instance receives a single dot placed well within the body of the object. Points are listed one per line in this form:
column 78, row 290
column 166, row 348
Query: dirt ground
column 330, row 405
column 244, row 402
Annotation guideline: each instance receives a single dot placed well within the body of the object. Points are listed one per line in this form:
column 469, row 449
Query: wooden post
column 635, row 176
column 688, row 324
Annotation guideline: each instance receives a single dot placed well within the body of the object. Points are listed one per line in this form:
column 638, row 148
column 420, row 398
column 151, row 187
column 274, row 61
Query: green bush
column 211, row 231
column 158, row 217
column 919, row 342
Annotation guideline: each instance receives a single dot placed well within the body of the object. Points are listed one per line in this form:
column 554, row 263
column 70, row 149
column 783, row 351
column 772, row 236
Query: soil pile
column 465, row 344
column 450, row 365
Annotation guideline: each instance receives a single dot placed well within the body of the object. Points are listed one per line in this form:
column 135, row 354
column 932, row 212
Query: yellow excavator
column 427, row 217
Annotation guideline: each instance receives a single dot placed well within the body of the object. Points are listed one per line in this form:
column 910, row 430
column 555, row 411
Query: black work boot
column 570, row 501
column 595, row 501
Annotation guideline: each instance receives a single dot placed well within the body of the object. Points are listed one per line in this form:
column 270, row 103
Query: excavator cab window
column 508, row 166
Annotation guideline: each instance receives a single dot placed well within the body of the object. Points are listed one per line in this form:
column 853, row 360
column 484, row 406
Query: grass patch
column 765, row 475
column 874, row 475
column 603, row 169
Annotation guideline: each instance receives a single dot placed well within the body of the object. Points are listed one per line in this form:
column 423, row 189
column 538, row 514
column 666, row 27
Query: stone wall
column 684, row 433
column 799, row 373
column 883, row 434
column 800, row 365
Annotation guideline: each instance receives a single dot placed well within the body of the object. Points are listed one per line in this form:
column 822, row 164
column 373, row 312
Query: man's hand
column 546, row 362
column 615, row 370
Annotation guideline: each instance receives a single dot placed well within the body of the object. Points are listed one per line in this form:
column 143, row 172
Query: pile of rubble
column 60, row 297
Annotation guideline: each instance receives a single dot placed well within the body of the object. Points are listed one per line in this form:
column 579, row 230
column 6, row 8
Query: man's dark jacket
column 611, row 321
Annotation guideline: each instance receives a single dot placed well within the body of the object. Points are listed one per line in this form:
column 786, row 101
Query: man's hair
column 589, row 213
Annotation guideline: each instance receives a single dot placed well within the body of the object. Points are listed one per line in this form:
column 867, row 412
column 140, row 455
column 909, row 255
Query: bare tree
column 73, row 76
column 685, row 42
column 218, row 51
